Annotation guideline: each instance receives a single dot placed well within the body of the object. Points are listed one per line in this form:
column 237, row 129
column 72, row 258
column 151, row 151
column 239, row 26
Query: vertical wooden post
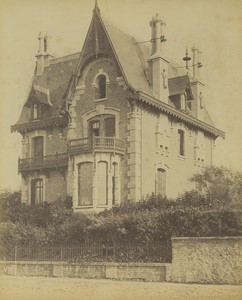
column 15, row 258
column 61, row 253
column 219, row 227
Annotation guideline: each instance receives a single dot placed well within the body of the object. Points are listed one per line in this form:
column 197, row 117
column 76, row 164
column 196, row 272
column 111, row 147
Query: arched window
column 102, row 126
column 45, row 44
column 114, row 183
column 85, row 183
column 101, row 87
column 38, row 147
column 181, row 142
column 35, row 111
column 36, row 191
column 161, row 182
column 102, row 183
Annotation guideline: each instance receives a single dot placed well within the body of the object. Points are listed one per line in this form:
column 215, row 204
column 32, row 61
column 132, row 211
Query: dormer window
column 101, row 87
column 36, row 111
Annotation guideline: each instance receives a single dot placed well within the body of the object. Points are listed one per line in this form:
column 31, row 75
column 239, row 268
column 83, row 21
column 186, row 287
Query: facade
column 112, row 123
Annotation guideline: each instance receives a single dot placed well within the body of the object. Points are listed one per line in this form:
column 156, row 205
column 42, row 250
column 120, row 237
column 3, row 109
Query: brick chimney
column 43, row 56
column 158, row 65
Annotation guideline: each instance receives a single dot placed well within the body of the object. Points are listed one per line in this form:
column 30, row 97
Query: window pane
column 101, row 86
column 95, row 128
column 161, row 182
column 85, row 183
column 102, row 183
column 38, row 146
column 36, row 191
column 109, row 127
column 181, row 142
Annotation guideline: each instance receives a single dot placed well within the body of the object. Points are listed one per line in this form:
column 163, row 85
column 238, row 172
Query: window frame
column 161, row 185
column 38, row 185
column 101, row 87
column 80, row 203
column 36, row 111
column 181, row 142
column 101, row 120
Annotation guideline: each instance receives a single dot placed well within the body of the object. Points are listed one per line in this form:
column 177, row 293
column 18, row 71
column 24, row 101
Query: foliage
column 221, row 186
column 41, row 215
column 215, row 212
column 72, row 230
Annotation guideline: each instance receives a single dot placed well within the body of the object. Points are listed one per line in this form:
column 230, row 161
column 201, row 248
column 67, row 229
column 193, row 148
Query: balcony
column 43, row 162
column 96, row 144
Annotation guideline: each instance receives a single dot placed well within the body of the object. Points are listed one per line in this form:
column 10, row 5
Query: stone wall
column 213, row 260
column 120, row 271
column 206, row 260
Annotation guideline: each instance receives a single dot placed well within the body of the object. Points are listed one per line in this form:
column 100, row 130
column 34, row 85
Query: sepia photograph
column 121, row 149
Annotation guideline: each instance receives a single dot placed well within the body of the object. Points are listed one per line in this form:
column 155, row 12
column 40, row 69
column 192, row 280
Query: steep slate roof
column 132, row 58
column 178, row 85
column 53, row 81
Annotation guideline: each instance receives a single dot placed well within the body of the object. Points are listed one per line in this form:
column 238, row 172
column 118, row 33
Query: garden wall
column 206, row 260
column 102, row 270
column 215, row 260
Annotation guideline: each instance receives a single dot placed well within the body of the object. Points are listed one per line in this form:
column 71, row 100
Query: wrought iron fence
column 154, row 252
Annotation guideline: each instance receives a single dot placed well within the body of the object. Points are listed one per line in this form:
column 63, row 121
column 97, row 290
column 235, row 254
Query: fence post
column 62, row 266
column 15, row 258
column 219, row 227
column 114, row 251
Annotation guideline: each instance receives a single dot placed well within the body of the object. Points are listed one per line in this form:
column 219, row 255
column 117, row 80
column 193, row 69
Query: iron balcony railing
column 99, row 144
column 43, row 162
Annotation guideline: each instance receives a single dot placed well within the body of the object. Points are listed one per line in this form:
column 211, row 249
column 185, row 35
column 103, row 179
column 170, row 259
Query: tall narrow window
column 85, row 183
column 161, row 182
column 36, row 191
column 101, row 87
column 109, row 126
column 38, row 146
column 114, row 183
column 45, row 44
column 95, row 128
column 181, row 142
column 102, row 183
column 35, row 111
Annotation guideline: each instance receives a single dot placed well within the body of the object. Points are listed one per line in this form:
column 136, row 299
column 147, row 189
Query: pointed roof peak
column 96, row 8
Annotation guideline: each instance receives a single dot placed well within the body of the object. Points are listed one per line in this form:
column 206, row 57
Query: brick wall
column 206, row 260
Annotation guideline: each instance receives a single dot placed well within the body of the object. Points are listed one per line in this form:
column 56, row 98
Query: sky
column 215, row 26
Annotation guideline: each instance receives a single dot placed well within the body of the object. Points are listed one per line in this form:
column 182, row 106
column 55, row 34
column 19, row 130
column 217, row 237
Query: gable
column 105, row 40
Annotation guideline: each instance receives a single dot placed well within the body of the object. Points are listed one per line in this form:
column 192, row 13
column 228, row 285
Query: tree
column 222, row 187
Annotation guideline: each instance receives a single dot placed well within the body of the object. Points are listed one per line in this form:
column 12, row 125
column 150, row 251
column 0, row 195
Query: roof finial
column 186, row 59
column 96, row 8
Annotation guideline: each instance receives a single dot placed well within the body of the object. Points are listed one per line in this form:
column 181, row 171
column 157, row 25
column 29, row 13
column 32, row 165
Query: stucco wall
column 207, row 260
column 160, row 149
column 55, row 186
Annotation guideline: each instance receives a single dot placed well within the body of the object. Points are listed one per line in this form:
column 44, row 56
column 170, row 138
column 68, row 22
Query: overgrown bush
column 214, row 212
column 222, row 187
